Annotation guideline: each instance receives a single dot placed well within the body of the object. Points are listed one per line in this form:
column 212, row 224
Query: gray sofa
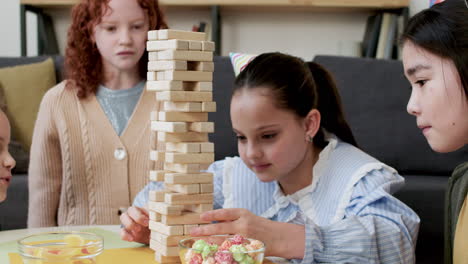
column 374, row 94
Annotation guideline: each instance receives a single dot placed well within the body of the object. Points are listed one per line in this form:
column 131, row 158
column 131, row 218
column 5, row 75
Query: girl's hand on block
column 135, row 225
column 241, row 221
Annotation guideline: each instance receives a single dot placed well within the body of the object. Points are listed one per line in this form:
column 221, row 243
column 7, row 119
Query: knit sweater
column 81, row 172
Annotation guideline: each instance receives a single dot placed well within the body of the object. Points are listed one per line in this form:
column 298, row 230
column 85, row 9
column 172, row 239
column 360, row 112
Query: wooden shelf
column 374, row 4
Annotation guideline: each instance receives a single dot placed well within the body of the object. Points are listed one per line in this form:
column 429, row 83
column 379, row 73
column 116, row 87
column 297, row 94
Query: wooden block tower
column 180, row 71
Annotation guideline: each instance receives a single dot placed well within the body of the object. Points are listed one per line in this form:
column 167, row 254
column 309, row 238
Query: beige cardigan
column 81, row 172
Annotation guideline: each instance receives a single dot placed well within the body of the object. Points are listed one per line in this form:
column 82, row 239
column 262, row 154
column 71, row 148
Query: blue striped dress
column 348, row 211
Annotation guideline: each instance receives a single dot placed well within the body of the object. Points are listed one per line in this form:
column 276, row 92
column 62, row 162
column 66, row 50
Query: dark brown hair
column 83, row 65
column 443, row 31
column 299, row 87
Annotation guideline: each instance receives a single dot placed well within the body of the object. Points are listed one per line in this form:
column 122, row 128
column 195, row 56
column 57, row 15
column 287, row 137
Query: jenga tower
column 180, row 70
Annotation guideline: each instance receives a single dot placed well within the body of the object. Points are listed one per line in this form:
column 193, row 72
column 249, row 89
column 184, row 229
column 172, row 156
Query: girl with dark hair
column 301, row 185
column 435, row 59
column 89, row 154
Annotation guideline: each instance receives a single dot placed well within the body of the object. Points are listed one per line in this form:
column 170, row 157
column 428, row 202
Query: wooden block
column 174, row 127
column 182, row 117
column 157, row 196
column 179, row 34
column 186, row 218
column 153, row 139
column 180, row 198
column 187, row 229
column 165, row 229
column 206, row 66
column 198, row 86
column 183, row 147
column 186, row 178
column 182, row 137
column 177, row 96
column 154, row 116
column 208, row 106
column 161, row 76
column 167, row 240
column 153, row 56
column 157, row 155
column 202, row 127
column 182, row 106
column 152, row 35
column 189, row 158
column 195, row 45
column 155, row 216
column 164, row 86
column 204, row 167
column 152, row 76
column 198, row 208
column 167, row 65
column 206, row 147
column 164, row 250
column 175, row 44
column 166, row 259
column 183, row 168
column 189, row 76
column 183, row 188
column 206, row 188
column 164, row 208
column 208, row 46
column 185, row 55
column 157, row 175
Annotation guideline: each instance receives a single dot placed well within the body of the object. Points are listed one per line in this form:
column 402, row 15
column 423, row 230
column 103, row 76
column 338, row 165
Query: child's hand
column 135, row 225
column 282, row 239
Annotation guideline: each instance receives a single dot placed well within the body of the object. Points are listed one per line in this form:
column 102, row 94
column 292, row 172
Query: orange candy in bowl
column 222, row 249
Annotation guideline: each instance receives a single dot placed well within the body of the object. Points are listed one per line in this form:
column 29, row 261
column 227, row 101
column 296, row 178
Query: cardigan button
column 120, row 154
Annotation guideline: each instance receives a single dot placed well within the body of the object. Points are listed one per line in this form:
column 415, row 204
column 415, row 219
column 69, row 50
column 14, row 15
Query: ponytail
column 298, row 87
column 330, row 107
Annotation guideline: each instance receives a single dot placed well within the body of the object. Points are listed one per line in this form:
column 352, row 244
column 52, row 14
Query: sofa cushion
column 375, row 94
column 14, row 210
column 14, row 61
column 223, row 80
column 24, row 87
column 426, row 196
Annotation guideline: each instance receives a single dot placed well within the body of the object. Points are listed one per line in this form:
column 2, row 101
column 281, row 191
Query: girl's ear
column 312, row 124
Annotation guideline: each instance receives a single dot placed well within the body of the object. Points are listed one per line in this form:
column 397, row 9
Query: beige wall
column 304, row 33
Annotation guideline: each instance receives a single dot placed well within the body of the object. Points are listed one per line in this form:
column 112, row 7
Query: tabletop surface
column 110, row 233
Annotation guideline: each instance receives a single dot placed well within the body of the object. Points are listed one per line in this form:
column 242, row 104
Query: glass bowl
column 221, row 249
column 61, row 247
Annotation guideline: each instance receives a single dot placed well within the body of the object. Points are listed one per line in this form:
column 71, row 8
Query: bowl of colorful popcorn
column 61, row 247
column 221, row 249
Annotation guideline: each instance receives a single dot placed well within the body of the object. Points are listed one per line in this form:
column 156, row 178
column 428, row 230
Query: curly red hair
column 83, row 65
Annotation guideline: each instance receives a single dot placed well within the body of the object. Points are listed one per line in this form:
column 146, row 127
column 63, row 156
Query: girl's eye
column 110, row 29
column 138, row 26
column 239, row 138
column 421, row 82
column 268, row 136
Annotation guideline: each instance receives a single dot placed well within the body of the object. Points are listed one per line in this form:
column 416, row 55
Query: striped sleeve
column 217, row 168
column 141, row 200
column 377, row 228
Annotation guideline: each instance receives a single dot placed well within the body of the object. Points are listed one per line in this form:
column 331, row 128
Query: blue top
column 348, row 210
column 119, row 104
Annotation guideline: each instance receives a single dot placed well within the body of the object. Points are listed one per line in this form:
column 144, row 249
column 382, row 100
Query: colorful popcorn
column 233, row 250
